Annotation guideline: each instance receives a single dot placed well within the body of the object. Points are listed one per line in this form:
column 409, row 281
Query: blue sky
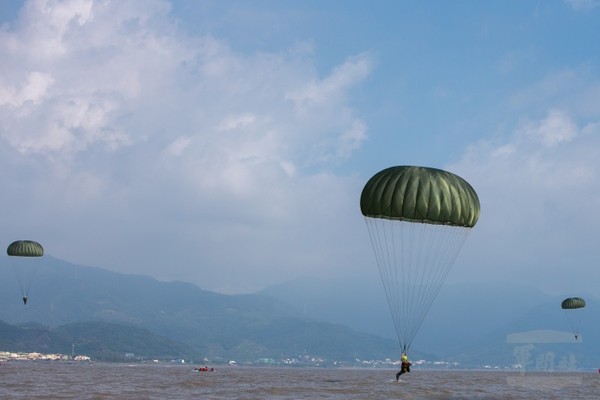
column 225, row 143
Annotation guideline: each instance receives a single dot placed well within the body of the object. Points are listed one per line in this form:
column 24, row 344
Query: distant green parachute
column 574, row 308
column 25, row 248
column 418, row 220
column 572, row 303
column 24, row 256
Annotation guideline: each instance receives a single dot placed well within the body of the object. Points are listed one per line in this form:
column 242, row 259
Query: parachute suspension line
column 408, row 258
column 575, row 316
column 424, row 278
column 414, row 260
column 31, row 279
column 22, row 274
column 412, row 290
column 25, row 270
column 443, row 249
column 385, row 255
column 19, row 280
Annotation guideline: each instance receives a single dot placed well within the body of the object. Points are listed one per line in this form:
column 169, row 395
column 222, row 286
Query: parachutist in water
column 405, row 367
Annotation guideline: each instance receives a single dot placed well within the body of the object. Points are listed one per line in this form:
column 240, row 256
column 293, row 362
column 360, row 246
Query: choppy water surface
column 64, row 380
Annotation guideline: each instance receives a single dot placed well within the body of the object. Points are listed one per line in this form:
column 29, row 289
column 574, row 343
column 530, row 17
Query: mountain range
column 112, row 316
column 67, row 302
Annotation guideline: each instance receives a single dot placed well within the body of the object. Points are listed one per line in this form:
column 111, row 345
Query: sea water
column 73, row 380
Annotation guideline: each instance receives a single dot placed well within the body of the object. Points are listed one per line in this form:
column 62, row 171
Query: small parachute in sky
column 418, row 220
column 24, row 257
column 574, row 308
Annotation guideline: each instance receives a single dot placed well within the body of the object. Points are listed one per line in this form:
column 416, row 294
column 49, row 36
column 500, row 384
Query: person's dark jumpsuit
column 405, row 367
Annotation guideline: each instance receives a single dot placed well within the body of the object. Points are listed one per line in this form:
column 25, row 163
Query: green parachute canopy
column 25, row 248
column 420, row 194
column 418, row 220
column 24, row 256
column 572, row 303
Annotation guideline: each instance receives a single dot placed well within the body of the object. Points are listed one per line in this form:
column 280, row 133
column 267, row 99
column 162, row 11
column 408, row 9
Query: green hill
column 101, row 341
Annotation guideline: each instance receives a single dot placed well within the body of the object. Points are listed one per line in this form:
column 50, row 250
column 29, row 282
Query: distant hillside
column 361, row 304
column 242, row 327
column 356, row 302
column 99, row 340
column 468, row 323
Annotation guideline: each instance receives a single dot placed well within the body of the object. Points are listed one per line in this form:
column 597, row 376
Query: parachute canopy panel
column 420, row 194
column 573, row 303
column 25, row 248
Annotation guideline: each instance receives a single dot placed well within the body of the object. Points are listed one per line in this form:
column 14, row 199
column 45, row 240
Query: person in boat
column 404, row 367
column 204, row 369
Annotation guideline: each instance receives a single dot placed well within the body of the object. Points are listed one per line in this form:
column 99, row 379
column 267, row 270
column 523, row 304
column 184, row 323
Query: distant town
column 299, row 361
column 22, row 356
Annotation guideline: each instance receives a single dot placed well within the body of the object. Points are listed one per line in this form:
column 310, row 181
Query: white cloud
column 236, row 121
column 539, row 190
column 557, row 127
column 352, row 139
column 583, row 4
column 323, row 91
column 135, row 136
column 178, row 146
column 33, row 89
